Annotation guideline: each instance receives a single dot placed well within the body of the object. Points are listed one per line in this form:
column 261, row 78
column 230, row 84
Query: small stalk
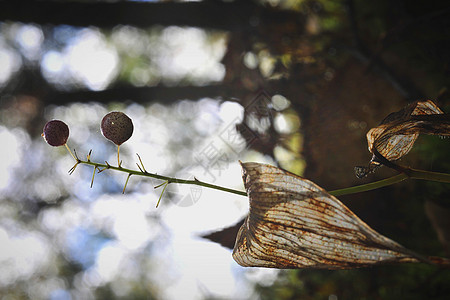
column 118, row 155
column 68, row 149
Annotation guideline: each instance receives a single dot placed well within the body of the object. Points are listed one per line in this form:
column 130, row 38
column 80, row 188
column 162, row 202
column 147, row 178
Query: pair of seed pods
column 116, row 127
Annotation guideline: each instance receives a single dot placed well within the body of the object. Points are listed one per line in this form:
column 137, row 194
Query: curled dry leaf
column 293, row 223
column 396, row 134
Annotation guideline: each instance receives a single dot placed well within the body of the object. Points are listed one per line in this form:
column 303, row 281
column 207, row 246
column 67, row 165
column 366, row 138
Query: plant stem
column 165, row 178
column 369, row 186
column 409, row 174
column 68, row 149
column 118, row 158
column 427, row 175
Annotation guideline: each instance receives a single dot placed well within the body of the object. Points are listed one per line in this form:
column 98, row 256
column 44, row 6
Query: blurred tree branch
column 142, row 95
column 229, row 16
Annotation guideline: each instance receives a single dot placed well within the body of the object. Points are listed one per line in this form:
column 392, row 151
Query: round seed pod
column 56, row 133
column 117, row 127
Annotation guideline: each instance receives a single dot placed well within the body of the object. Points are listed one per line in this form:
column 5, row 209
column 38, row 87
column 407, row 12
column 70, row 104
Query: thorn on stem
column 160, row 196
column 126, row 182
column 74, row 167
column 105, row 168
column 160, row 185
column 142, row 164
column 93, row 174
column 76, row 155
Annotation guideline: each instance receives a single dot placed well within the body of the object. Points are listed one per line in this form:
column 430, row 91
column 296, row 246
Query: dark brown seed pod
column 56, row 133
column 117, row 127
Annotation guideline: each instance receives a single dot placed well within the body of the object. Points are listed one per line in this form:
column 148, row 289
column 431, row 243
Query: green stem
column 427, row 175
column 369, row 186
column 165, row 178
column 409, row 174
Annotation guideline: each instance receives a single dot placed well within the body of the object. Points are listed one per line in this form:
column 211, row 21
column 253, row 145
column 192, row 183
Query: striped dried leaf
column 293, row 223
column 396, row 134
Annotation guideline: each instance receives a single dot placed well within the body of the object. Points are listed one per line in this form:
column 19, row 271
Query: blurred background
column 293, row 83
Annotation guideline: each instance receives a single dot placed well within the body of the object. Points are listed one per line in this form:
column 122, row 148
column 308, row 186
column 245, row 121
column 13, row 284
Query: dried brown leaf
column 293, row 223
column 396, row 134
